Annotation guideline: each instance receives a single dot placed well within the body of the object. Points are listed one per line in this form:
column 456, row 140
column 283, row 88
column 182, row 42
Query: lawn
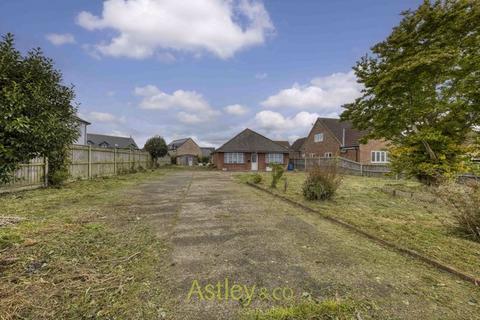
column 71, row 253
column 426, row 227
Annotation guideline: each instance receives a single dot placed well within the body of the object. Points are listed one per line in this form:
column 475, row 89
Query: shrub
column 321, row 183
column 204, row 160
column 465, row 202
column 257, row 178
column 58, row 178
column 277, row 173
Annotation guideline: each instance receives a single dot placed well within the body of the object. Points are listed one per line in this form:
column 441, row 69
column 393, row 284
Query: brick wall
column 366, row 150
column 350, row 154
column 218, row 158
column 318, row 149
column 189, row 148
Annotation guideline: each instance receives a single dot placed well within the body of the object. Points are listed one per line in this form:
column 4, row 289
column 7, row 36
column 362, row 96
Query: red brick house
column 334, row 138
column 185, row 151
column 249, row 151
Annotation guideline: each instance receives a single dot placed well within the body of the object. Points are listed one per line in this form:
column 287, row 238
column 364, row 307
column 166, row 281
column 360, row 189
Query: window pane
column 373, row 156
column 274, row 158
column 383, row 156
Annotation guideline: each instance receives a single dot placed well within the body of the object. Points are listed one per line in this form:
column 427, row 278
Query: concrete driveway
column 215, row 229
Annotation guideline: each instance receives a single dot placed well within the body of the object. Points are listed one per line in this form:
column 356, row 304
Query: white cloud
column 59, row 39
column 236, row 110
column 192, row 106
column 188, row 118
column 274, row 121
column 322, row 94
column 105, row 117
column 154, row 98
column 221, row 27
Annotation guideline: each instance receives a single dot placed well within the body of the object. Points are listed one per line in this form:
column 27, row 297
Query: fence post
column 115, row 161
column 45, row 171
column 130, row 159
column 89, row 162
column 361, row 170
column 305, row 164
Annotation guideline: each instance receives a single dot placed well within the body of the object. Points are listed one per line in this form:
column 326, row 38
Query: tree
column 157, row 148
column 421, row 88
column 37, row 117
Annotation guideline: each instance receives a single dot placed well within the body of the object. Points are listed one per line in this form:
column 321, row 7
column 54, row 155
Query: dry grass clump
column 322, row 182
column 465, row 201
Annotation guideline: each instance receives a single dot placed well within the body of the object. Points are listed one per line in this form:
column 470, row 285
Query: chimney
column 343, row 138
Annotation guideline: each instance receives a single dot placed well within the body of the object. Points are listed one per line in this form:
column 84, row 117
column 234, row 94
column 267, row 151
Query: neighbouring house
column 207, row 152
column 82, row 129
column 185, row 151
column 296, row 150
column 334, row 138
column 106, row 141
column 250, row 151
column 284, row 143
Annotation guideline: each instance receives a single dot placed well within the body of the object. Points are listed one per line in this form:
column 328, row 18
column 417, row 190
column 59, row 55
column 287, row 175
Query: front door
column 254, row 162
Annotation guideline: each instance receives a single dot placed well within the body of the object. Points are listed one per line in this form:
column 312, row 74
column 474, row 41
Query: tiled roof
column 337, row 127
column 286, row 144
column 251, row 141
column 298, row 144
column 207, row 151
column 98, row 140
column 175, row 144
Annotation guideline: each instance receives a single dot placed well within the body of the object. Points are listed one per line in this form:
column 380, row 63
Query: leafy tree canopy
column 37, row 117
column 157, row 147
column 421, row 88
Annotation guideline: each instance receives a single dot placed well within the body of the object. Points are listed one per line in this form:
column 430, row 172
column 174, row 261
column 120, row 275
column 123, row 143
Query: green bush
column 58, row 178
column 204, row 160
column 321, row 183
column 465, row 202
column 257, row 178
column 277, row 173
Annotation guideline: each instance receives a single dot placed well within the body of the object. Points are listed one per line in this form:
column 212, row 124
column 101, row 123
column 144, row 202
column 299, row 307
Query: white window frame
column 328, row 154
column 318, row 137
column 274, row 158
column 379, row 156
column 234, row 158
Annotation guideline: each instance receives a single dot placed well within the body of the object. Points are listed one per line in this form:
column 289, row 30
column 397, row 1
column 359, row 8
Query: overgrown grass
column 325, row 310
column 427, row 227
column 75, row 255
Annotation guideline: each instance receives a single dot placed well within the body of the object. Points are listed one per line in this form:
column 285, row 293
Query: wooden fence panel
column 79, row 166
column 85, row 163
column 345, row 166
column 31, row 175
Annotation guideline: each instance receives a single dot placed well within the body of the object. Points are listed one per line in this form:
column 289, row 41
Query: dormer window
column 318, row 137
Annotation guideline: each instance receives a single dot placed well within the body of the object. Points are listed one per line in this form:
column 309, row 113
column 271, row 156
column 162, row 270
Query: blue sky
column 204, row 68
